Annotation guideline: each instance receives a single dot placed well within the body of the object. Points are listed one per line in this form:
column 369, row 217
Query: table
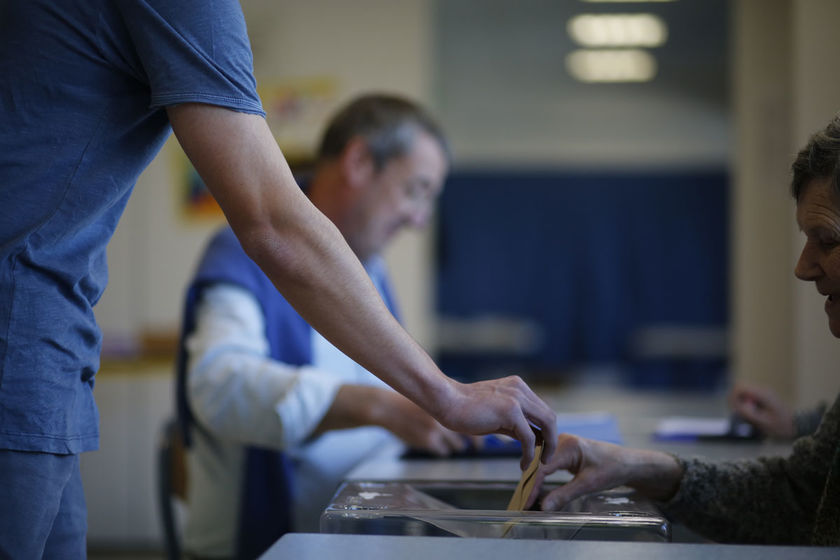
column 637, row 412
column 303, row 546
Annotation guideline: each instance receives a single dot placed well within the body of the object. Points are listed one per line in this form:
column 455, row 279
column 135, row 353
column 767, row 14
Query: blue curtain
column 589, row 257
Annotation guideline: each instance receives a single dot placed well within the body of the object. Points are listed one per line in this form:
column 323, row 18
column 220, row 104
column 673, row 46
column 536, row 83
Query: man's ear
column 357, row 163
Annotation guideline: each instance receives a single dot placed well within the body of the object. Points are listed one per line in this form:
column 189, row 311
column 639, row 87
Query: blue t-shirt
column 83, row 86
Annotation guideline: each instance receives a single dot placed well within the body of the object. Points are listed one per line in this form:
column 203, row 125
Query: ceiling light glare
column 618, row 30
column 611, row 65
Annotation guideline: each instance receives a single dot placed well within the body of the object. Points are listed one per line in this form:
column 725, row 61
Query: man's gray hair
column 388, row 123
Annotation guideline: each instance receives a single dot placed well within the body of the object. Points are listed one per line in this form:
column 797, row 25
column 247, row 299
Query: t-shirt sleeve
column 194, row 51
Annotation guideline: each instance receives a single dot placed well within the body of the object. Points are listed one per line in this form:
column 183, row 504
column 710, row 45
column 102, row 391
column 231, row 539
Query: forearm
column 332, row 292
column 656, row 475
column 743, row 502
column 354, row 406
column 770, row 500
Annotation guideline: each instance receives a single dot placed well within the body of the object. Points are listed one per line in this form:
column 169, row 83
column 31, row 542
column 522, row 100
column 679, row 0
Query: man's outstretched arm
column 309, row 261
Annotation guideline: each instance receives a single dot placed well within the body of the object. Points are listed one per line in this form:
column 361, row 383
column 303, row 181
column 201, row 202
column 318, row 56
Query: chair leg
column 165, row 492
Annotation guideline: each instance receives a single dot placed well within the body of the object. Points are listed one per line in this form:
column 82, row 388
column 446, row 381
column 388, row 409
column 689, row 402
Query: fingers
column 746, row 409
column 452, row 440
column 566, row 458
column 569, row 456
column 535, row 491
column 475, row 442
column 538, row 414
column 523, row 432
column 559, row 497
column 437, row 445
column 741, row 390
column 547, row 423
column 772, row 417
column 418, row 429
column 755, row 396
column 433, row 437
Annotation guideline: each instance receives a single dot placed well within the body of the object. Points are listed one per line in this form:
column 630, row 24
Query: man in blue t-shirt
column 89, row 91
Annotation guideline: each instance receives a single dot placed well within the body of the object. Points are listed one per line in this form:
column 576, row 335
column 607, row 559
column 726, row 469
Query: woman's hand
column 600, row 466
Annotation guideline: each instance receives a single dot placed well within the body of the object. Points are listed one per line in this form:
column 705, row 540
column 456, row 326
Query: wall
column 119, row 479
column 784, row 91
column 507, row 99
column 514, row 112
column 761, row 254
column 365, row 45
column 816, row 87
column 491, row 71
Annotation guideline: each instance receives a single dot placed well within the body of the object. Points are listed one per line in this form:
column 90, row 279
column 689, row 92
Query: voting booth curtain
column 627, row 269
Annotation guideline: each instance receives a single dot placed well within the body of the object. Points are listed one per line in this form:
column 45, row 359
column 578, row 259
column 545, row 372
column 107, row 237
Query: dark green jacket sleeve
column 776, row 500
column 806, row 422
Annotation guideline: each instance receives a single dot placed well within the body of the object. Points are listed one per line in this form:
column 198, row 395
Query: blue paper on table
column 601, row 426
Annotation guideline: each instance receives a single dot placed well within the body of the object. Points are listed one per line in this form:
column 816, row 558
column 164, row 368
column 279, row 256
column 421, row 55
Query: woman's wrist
column 657, row 475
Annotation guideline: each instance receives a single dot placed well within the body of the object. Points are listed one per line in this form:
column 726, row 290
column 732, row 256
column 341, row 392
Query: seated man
column 255, row 379
column 775, row 500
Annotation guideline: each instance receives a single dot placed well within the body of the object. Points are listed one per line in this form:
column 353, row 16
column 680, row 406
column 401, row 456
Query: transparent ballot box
column 478, row 509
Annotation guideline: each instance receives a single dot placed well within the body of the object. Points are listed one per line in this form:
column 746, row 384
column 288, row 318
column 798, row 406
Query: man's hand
column 600, row 466
column 763, row 408
column 504, row 406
